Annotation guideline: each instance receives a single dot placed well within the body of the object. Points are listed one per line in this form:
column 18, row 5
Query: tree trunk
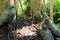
column 3, row 5
column 35, row 6
column 51, row 9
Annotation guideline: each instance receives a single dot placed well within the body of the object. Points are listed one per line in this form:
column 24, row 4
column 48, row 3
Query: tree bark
column 51, row 9
column 3, row 5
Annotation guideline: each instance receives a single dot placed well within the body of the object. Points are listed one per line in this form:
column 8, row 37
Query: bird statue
column 8, row 15
column 6, row 18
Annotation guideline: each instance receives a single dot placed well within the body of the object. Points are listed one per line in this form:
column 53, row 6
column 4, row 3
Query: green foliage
column 24, row 7
column 58, row 25
column 57, row 6
column 58, row 19
column 48, row 8
column 56, row 9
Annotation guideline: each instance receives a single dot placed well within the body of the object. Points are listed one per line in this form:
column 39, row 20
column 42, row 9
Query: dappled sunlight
column 28, row 30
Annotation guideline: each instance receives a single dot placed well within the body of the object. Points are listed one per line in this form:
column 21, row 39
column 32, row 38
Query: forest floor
column 27, row 32
column 21, row 31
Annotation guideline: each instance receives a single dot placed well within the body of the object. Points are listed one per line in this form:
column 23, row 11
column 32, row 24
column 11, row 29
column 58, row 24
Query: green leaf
column 58, row 19
column 58, row 25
